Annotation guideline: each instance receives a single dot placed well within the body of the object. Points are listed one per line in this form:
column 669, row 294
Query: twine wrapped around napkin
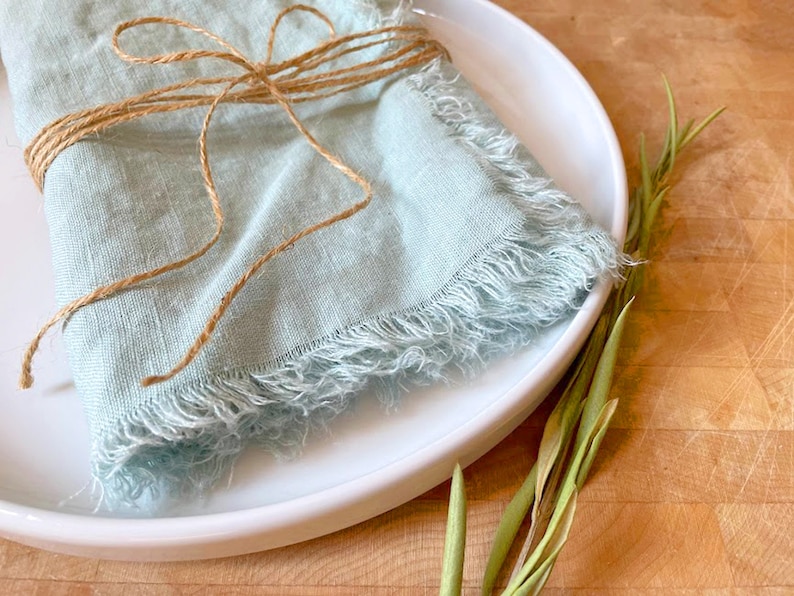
column 271, row 311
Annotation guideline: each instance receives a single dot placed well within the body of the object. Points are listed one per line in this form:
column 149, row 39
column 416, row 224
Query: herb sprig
column 578, row 423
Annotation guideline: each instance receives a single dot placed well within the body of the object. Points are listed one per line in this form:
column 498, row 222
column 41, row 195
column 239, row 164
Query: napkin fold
column 466, row 251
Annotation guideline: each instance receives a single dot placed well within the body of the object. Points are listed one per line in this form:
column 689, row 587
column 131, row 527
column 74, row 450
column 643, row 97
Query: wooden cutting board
column 693, row 492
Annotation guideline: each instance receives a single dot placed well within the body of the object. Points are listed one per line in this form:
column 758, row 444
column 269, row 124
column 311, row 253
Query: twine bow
column 306, row 77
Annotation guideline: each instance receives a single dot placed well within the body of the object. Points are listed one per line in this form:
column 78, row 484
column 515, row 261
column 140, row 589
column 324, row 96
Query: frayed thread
column 529, row 278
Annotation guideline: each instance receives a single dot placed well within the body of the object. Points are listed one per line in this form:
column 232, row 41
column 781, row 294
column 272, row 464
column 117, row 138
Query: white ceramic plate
column 373, row 462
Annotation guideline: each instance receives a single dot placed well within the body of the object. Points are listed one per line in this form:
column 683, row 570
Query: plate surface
column 372, row 462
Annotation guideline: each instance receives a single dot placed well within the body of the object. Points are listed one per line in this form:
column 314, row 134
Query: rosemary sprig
column 578, row 423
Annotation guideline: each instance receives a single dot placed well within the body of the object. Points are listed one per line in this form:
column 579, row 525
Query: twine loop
column 313, row 75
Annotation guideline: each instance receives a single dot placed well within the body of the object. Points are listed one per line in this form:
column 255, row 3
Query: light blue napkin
column 466, row 251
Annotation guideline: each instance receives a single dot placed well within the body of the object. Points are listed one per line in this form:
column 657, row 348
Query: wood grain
column 694, row 490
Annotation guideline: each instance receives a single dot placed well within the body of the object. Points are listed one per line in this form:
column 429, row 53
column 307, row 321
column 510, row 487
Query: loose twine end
column 154, row 380
column 25, row 380
column 303, row 78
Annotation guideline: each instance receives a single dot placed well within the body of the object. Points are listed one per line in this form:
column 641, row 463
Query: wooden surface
column 693, row 492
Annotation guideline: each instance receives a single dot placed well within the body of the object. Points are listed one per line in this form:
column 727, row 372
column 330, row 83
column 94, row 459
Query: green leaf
column 635, row 219
column 684, row 132
column 599, row 390
column 651, row 217
column 654, row 208
column 673, row 125
column 645, row 176
column 552, row 541
column 455, row 541
column 553, row 448
column 534, row 584
column 506, row 533
column 697, row 130
column 556, row 434
column 539, row 584
column 668, row 142
column 601, row 428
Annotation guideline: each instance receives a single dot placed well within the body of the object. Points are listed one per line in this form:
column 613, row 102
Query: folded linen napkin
column 466, row 250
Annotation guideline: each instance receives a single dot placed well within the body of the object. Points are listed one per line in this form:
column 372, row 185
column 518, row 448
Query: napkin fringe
column 526, row 280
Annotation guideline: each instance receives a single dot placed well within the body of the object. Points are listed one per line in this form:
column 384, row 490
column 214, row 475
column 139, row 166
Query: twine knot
column 313, row 75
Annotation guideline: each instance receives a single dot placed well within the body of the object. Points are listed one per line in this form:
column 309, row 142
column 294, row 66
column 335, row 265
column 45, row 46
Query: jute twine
column 296, row 80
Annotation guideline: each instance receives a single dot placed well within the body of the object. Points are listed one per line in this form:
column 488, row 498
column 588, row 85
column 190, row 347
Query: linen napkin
column 466, row 251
